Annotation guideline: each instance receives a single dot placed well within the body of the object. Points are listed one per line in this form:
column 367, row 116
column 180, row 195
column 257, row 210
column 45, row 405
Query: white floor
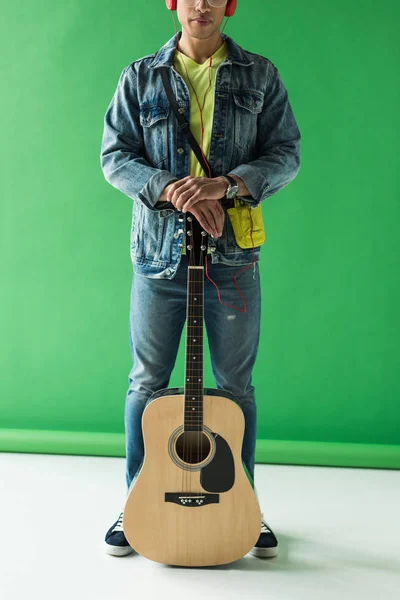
column 338, row 531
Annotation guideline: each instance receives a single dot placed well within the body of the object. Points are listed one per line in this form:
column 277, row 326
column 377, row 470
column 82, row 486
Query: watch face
column 233, row 190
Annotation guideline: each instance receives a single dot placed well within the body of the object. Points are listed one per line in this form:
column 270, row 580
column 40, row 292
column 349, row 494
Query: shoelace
column 264, row 526
column 118, row 526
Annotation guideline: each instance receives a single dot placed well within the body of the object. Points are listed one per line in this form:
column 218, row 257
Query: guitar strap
column 183, row 125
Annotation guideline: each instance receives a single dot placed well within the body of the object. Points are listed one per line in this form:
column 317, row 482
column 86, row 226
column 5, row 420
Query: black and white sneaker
column 116, row 542
column 267, row 544
column 118, row 545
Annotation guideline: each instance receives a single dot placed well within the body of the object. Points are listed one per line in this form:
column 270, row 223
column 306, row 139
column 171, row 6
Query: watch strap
column 231, row 180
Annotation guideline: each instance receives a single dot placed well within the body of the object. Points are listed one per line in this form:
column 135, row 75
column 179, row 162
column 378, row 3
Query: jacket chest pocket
column 247, row 107
column 154, row 121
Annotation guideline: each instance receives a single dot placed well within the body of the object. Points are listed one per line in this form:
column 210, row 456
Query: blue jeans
column 157, row 318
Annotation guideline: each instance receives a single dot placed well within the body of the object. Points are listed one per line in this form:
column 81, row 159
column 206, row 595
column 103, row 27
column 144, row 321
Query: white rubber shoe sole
column 119, row 550
column 264, row 552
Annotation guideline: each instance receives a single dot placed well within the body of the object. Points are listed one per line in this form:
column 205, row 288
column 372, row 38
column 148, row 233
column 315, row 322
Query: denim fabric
column 254, row 136
column 157, row 318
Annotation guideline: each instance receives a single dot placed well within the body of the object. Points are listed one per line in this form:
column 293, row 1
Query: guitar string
column 201, row 288
column 200, row 399
column 194, row 438
column 191, row 320
column 191, row 295
column 195, row 287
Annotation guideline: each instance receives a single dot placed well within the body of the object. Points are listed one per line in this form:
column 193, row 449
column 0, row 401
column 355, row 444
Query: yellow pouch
column 239, row 216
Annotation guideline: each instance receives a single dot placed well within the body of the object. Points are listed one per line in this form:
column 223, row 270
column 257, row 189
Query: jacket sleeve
column 122, row 152
column 278, row 145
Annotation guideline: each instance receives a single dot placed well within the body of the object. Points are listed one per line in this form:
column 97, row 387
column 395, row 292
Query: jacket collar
column 165, row 56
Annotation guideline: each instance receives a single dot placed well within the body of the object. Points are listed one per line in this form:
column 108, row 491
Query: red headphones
column 230, row 7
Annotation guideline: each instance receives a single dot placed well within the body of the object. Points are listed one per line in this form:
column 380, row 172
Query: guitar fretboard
column 193, row 412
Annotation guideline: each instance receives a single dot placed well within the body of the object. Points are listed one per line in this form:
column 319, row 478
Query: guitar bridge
column 192, row 499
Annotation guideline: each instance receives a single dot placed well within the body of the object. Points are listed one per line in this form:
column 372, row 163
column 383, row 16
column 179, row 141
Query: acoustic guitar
column 191, row 503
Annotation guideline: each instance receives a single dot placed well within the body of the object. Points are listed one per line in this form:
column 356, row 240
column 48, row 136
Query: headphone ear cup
column 230, row 8
column 171, row 4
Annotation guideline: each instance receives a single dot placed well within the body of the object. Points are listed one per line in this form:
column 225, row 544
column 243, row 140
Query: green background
column 327, row 376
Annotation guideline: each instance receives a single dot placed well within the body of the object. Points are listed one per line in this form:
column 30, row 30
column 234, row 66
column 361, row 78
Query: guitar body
column 191, row 503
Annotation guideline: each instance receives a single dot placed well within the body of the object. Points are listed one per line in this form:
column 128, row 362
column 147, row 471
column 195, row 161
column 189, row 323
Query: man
column 239, row 112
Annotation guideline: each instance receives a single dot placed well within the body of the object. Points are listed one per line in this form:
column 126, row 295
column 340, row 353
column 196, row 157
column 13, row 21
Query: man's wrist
column 243, row 191
column 163, row 196
column 224, row 183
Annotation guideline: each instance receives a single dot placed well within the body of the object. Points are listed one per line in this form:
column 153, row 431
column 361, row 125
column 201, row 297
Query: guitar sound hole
column 193, row 447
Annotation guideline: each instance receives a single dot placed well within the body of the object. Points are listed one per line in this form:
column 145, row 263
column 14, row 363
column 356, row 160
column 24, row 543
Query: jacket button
column 168, row 272
column 181, row 110
column 180, row 151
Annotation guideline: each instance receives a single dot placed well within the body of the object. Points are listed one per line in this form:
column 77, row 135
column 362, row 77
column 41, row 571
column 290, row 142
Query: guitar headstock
column 196, row 241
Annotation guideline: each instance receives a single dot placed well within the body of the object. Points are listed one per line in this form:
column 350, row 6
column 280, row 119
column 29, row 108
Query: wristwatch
column 233, row 187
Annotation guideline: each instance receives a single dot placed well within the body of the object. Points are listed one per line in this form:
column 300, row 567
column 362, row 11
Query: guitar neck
column 193, row 413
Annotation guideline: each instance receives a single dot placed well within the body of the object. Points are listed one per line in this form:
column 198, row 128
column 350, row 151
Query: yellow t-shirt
column 200, row 76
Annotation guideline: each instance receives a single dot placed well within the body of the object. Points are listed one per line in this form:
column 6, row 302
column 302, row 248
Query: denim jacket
column 254, row 135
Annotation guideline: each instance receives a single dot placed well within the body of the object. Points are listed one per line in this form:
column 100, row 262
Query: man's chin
column 201, row 32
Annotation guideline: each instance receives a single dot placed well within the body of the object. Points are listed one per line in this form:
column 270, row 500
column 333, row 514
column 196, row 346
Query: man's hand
column 210, row 215
column 189, row 191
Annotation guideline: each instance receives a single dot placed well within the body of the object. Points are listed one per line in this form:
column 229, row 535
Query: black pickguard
column 219, row 475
